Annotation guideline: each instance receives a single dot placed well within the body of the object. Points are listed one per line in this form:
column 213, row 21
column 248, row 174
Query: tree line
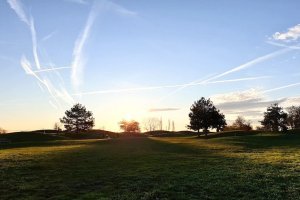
column 203, row 116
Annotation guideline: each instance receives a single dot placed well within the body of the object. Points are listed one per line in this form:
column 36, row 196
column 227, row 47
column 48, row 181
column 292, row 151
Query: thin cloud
column 283, row 45
column 50, row 35
column 78, row 57
column 43, row 83
column 78, row 62
column 47, row 84
column 28, row 69
column 181, row 88
column 236, row 80
column 249, row 103
column 166, row 86
column 163, row 109
column 251, row 63
column 53, row 105
column 82, row 2
column 281, row 87
column 293, row 33
column 51, row 69
column 18, row 8
column 235, row 69
column 34, row 44
column 119, row 9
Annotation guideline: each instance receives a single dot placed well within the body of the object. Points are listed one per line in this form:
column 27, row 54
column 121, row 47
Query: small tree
column 293, row 118
column 130, row 126
column 78, row 119
column 241, row 124
column 275, row 119
column 57, row 127
column 204, row 115
column 2, row 131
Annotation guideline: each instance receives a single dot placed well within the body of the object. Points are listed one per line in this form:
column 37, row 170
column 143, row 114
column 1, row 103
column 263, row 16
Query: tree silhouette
column 151, row 124
column 204, row 115
column 129, row 126
column 275, row 118
column 78, row 119
column 293, row 117
column 241, row 124
column 57, row 127
column 219, row 121
column 2, row 131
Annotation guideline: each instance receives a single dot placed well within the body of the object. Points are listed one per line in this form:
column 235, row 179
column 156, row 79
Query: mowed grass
column 245, row 167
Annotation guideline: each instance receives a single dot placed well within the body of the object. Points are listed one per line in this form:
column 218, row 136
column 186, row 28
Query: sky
column 138, row 59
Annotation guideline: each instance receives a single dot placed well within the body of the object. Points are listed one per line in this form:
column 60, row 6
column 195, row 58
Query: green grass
column 242, row 167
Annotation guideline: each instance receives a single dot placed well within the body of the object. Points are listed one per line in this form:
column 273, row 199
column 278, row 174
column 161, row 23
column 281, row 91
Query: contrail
column 251, row 63
column 50, row 35
column 282, row 87
column 54, row 93
column 18, row 8
column 27, row 67
column 51, row 69
column 235, row 69
column 78, row 60
column 181, row 88
column 34, row 44
column 165, row 86
column 283, row 45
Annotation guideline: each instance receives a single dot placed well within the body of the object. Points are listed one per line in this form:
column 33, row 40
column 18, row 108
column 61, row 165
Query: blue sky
column 141, row 59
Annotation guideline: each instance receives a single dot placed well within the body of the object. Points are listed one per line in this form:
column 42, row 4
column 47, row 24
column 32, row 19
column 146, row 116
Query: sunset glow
column 135, row 60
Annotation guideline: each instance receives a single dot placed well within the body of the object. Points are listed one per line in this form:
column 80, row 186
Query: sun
column 128, row 117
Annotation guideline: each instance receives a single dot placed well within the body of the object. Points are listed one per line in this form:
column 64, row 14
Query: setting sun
column 128, row 117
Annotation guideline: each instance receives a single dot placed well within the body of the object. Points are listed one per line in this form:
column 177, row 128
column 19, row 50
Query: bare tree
column 173, row 126
column 242, row 124
column 293, row 118
column 160, row 124
column 169, row 125
column 151, row 124
column 57, row 127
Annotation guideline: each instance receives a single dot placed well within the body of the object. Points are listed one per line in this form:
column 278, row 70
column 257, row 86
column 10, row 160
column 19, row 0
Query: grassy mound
column 29, row 137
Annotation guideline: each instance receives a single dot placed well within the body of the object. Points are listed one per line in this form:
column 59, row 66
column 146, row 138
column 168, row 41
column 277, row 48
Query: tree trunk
column 205, row 132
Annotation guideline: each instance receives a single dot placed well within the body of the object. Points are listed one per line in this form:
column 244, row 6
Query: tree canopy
column 293, row 119
column 241, row 124
column 2, row 131
column 130, row 126
column 78, row 119
column 275, row 119
column 205, row 115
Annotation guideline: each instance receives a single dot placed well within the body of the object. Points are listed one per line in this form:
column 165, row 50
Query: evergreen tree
column 78, row 119
column 204, row 115
column 275, row 119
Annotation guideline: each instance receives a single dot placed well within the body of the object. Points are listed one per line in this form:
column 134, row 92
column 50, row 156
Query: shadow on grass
column 266, row 141
column 141, row 168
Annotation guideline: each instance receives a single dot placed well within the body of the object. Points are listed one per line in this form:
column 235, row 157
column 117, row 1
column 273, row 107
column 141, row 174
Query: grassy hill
column 261, row 166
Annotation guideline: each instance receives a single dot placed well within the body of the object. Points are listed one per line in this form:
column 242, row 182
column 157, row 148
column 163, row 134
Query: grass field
column 243, row 167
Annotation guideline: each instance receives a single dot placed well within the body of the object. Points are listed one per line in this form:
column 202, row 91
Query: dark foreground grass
column 248, row 167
